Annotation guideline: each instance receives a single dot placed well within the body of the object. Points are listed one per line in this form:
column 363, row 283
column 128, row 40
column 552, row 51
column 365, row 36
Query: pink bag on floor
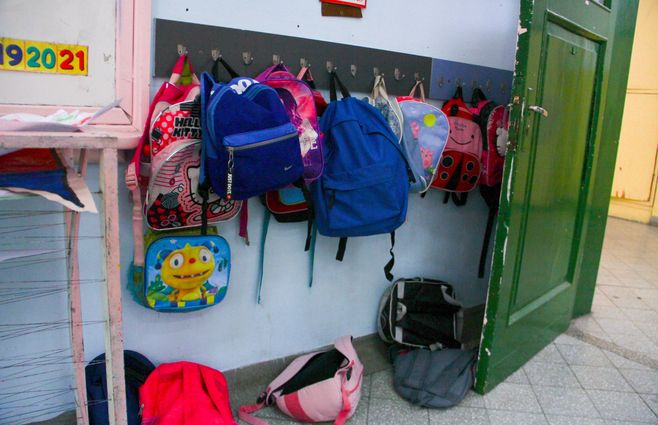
column 317, row 387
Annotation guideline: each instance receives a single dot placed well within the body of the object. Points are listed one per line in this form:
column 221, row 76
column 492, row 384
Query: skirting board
column 631, row 210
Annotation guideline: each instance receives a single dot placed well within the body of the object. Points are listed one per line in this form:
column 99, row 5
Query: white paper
column 60, row 121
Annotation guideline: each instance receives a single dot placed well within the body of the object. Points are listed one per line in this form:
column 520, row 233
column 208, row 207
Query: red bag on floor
column 185, row 393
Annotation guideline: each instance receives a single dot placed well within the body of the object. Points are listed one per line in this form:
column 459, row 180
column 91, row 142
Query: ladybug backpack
column 459, row 168
column 493, row 121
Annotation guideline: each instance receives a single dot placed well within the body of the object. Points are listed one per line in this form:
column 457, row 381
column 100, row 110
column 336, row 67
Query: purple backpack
column 299, row 103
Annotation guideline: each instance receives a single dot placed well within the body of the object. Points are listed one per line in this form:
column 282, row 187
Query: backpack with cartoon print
column 460, row 165
column 172, row 200
column 424, row 137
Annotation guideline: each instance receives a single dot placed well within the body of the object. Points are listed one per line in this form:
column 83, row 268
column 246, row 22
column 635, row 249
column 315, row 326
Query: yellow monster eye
column 205, row 255
column 176, row 261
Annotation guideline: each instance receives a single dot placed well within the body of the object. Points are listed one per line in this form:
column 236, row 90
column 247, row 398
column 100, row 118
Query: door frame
column 600, row 160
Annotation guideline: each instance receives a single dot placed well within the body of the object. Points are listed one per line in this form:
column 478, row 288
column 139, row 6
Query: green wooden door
column 562, row 79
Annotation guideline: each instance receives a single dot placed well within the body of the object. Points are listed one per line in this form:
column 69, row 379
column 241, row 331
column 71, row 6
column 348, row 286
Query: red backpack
column 185, row 393
column 459, row 168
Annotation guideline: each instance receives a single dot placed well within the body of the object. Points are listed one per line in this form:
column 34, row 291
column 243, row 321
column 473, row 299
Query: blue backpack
column 137, row 369
column 249, row 144
column 365, row 186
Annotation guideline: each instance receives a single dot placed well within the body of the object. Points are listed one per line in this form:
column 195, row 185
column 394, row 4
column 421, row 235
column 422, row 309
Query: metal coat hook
column 376, row 72
column 474, row 83
column 303, row 63
column 216, row 54
column 276, row 59
column 503, row 87
column 417, row 77
column 398, row 75
column 353, row 70
column 488, row 85
column 247, row 59
column 182, row 50
column 440, row 81
column 330, row 67
column 459, row 82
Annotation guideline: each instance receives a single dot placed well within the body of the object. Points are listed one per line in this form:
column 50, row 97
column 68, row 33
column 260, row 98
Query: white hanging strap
column 382, row 87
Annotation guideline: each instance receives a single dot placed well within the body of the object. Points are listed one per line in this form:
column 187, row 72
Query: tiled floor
column 570, row 381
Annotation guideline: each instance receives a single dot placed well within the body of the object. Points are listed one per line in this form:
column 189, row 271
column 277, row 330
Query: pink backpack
column 317, row 387
column 298, row 99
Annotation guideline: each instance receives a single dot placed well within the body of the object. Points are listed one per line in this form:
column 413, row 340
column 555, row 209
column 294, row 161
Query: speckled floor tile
column 601, row 378
column 638, row 315
column 608, row 312
column 551, row 374
column 565, row 401
column 459, row 416
column 473, row 399
column 565, row 339
column 642, row 381
column 623, row 363
column 501, row 417
column 395, row 412
column 652, row 401
column 588, row 325
column 618, row 326
column 621, row 406
column 586, row 355
column 639, row 343
column 549, row 354
column 518, row 377
column 381, row 385
column 573, row 420
column 515, row 397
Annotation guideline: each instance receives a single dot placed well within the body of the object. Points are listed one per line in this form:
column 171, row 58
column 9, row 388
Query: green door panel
column 555, row 180
column 563, row 62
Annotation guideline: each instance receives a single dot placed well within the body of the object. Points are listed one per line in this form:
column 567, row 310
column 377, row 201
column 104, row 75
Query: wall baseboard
column 630, row 210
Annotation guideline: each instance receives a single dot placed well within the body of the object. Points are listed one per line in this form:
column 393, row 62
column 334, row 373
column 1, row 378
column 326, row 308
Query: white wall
column 440, row 241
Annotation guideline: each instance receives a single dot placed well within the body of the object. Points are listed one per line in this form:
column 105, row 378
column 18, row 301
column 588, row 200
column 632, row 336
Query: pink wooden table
column 107, row 142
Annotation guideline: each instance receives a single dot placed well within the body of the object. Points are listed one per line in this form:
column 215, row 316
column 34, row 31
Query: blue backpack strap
column 261, row 261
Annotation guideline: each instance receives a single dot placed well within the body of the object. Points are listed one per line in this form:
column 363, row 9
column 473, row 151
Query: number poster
column 39, row 56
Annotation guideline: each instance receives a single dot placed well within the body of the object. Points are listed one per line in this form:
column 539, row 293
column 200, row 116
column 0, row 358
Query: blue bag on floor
column 137, row 369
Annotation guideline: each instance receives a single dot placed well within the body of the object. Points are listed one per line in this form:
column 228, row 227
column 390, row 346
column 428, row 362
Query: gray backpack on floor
column 425, row 313
column 433, row 378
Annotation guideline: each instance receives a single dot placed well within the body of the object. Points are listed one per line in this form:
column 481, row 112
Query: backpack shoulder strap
column 215, row 68
column 333, row 80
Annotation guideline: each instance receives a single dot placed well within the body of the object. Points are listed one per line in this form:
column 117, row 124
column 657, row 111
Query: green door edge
column 601, row 174
column 604, row 169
